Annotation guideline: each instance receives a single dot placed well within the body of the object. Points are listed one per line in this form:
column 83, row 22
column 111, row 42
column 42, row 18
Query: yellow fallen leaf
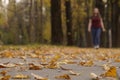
column 37, row 77
column 70, row 62
column 61, row 63
column 53, row 62
column 8, row 54
column 87, row 63
column 52, row 65
column 65, row 76
column 112, row 72
column 21, row 76
column 55, row 58
column 7, row 77
column 43, row 59
column 117, row 60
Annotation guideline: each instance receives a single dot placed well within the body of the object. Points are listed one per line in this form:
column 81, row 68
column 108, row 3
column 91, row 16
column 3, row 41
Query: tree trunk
column 115, row 22
column 31, row 22
column 89, row 8
column 38, row 27
column 69, row 22
column 56, row 27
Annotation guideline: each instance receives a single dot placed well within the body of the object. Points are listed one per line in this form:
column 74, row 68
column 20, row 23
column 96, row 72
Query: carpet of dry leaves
column 46, row 62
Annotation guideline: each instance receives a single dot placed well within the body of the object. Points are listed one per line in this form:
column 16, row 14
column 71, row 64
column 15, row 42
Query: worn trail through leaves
column 58, row 63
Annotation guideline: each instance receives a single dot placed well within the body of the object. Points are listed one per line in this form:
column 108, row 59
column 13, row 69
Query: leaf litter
column 54, row 57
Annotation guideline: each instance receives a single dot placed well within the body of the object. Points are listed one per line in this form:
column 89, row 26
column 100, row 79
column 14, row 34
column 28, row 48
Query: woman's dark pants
column 96, row 32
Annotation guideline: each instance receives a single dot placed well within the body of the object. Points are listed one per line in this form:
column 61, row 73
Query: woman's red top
column 96, row 21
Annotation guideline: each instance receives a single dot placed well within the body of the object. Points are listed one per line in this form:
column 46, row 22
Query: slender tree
column 38, row 26
column 115, row 23
column 69, row 22
column 32, row 21
column 56, row 27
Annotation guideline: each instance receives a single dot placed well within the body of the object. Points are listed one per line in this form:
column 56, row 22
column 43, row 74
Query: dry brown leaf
column 37, row 77
column 65, row 76
column 87, row 63
column 64, row 68
column 21, row 76
column 112, row 72
column 35, row 67
column 52, row 65
column 7, row 77
column 2, row 66
column 3, row 73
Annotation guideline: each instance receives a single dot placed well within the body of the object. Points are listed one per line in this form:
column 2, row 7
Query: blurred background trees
column 57, row 22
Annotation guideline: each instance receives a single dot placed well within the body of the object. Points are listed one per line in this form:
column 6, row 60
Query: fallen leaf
column 3, row 73
column 94, row 76
column 52, row 65
column 33, row 56
column 9, row 65
column 87, row 63
column 112, row 72
column 35, row 67
column 117, row 60
column 37, row 77
column 64, row 68
column 106, row 67
column 21, row 76
column 70, row 62
column 2, row 66
column 8, row 54
column 7, row 77
column 74, row 73
column 53, row 62
column 65, row 76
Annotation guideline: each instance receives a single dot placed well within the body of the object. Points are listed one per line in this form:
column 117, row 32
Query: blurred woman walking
column 96, row 26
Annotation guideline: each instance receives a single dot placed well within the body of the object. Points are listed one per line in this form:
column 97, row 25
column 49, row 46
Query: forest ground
column 46, row 62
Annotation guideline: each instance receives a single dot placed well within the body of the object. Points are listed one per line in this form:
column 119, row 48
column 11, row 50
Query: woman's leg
column 94, row 36
column 97, row 40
